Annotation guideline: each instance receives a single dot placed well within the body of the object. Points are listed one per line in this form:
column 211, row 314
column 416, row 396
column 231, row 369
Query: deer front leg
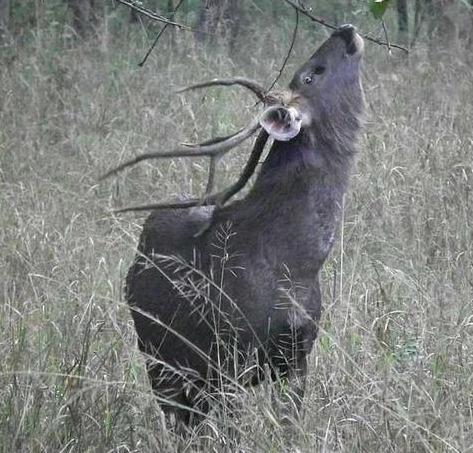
column 291, row 389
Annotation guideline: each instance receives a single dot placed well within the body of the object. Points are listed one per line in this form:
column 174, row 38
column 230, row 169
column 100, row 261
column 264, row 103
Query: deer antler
column 214, row 147
column 219, row 198
column 251, row 85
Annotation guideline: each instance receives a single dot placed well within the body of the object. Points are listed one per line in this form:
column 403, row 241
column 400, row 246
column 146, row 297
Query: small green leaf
column 379, row 7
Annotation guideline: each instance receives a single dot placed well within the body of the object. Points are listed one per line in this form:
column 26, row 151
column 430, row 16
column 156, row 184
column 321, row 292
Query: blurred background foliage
column 229, row 20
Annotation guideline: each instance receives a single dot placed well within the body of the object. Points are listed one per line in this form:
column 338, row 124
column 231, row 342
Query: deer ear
column 281, row 123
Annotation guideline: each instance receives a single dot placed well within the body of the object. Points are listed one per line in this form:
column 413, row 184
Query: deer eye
column 307, row 80
column 319, row 70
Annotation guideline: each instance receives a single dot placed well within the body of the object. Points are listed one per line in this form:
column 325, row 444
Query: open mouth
column 281, row 123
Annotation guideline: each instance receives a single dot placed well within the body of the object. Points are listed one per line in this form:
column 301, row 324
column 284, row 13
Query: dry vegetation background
column 392, row 368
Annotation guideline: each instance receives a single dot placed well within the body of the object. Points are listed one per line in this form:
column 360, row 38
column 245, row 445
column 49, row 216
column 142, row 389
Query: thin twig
column 165, row 26
column 385, row 30
column 302, row 9
column 152, row 15
column 321, row 21
column 291, row 47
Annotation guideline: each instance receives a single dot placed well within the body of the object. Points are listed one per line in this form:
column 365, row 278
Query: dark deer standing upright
column 214, row 287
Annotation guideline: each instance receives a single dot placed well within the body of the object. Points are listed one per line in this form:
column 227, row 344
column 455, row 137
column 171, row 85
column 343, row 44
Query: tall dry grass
column 392, row 368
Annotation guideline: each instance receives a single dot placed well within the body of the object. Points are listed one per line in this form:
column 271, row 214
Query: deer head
column 322, row 89
column 326, row 90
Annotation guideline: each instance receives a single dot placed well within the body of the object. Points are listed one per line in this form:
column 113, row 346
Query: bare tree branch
column 289, row 52
column 161, row 32
column 385, row 30
column 152, row 15
column 302, row 9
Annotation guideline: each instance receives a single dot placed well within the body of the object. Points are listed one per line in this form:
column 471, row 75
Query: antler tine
column 251, row 85
column 222, row 197
column 166, row 205
column 219, row 198
column 211, row 148
column 212, row 141
column 211, row 178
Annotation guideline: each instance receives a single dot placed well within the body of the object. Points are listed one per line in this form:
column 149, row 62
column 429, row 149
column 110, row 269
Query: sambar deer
column 220, row 292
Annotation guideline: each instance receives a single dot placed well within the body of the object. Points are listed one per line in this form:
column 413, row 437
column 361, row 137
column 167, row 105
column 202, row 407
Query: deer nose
column 347, row 32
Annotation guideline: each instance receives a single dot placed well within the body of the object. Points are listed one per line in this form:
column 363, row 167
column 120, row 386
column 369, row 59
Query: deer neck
column 305, row 167
column 293, row 210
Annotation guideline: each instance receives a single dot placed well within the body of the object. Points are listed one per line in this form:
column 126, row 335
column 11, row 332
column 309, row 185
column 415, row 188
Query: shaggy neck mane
column 322, row 153
column 313, row 161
